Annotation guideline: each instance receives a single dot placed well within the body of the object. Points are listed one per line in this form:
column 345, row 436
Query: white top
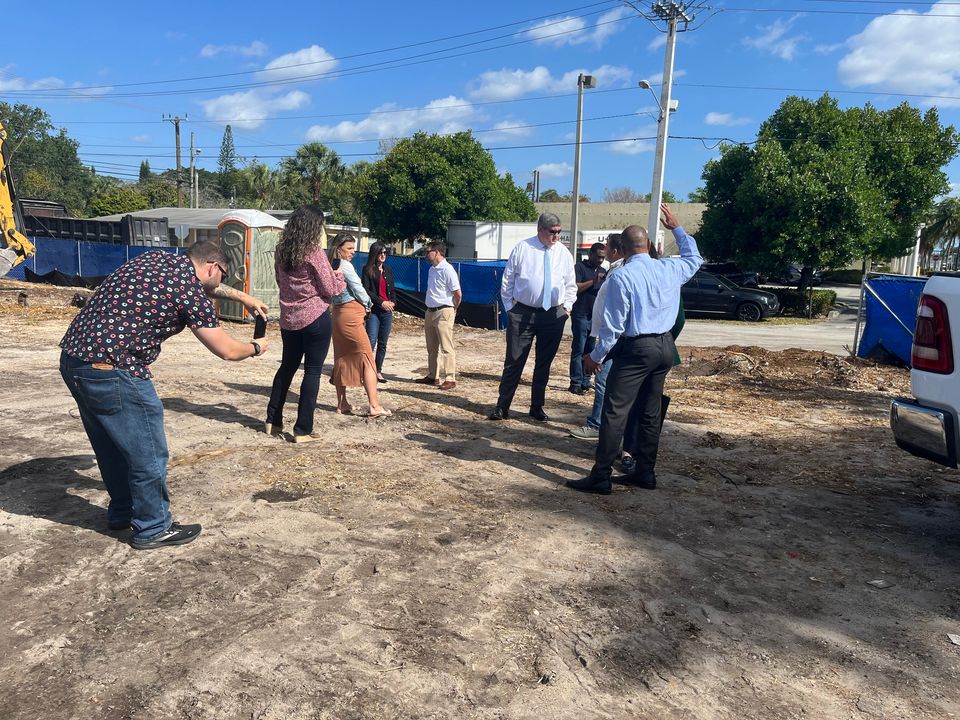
column 523, row 276
column 442, row 283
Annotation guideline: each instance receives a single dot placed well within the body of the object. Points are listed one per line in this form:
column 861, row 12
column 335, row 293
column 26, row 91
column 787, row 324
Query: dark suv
column 734, row 274
column 714, row 294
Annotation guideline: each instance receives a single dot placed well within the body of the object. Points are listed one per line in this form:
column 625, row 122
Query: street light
column 583, row 81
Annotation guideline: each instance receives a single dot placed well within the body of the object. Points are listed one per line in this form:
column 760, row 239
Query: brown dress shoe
column 448, row 385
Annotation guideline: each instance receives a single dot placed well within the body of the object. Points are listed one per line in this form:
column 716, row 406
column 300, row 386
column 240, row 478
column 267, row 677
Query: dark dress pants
column 310, row 344
column 525, row 325
column 639, row 369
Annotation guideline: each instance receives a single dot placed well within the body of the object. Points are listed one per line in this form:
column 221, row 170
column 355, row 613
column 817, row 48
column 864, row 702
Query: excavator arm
column 14, row 245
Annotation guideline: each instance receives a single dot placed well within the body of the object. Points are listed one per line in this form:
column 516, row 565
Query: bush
column 794, row 302
column 850, row 277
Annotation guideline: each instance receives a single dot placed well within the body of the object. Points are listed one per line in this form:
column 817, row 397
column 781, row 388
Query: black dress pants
column 309, row 344
column 639, row 369
column 525, row 325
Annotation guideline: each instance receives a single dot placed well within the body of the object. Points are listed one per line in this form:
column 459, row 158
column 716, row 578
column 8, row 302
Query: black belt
column 440, row 307
column 644, row 335
column 535, row 309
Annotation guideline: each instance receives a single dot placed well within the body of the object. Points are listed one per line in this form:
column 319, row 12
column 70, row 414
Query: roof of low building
column 194, row 217
column 617, row 216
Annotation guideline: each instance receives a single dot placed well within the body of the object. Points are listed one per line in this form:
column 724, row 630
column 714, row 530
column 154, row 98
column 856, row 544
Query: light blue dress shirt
column 354, row 289
column 643, row 297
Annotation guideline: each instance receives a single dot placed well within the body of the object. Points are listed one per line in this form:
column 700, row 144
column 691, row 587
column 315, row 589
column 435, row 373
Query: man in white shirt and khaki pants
column 442, row 300
column 538, row 291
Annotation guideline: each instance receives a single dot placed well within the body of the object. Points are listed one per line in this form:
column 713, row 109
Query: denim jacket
column 354, row 289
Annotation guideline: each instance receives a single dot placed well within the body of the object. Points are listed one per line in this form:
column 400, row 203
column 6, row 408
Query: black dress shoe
column 499, row 413
column 590, row 484
column 628, row 464
column 537, row 413
column 647, row 481
column 577, row 390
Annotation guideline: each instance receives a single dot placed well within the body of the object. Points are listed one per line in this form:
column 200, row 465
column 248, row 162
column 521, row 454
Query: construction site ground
column 792, row 562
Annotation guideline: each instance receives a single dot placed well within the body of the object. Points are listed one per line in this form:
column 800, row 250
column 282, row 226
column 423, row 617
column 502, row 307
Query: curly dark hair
column 302, row 234
column 339, row 240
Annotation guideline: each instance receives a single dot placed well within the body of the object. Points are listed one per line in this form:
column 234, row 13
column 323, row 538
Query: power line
column 837, row 12
column 359, row 70
column 829, row 91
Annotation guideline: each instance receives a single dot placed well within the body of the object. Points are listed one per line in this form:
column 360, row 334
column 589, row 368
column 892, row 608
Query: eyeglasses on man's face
column 382, row 252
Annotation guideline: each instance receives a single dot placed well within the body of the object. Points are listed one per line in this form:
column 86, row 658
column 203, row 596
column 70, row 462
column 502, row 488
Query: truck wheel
column 749, row 311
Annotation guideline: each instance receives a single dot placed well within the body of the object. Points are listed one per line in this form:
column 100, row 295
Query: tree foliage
column 227, row 163
column 316, row 174
column 622, row 195
column 426, row 181
column 942, row 229
column 118, row 200
column 551, row 195
column 823, row 185
column 44, row 163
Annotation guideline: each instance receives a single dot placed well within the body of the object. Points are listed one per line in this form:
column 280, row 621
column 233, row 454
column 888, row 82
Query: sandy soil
column 432, row 565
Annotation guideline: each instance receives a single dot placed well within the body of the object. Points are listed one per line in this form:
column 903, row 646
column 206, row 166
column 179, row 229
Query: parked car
column 790, row 275
column 714, row 294
column 928, row 424
column 734, row 274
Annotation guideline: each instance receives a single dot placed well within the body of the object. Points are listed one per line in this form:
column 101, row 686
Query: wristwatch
column 256, row 348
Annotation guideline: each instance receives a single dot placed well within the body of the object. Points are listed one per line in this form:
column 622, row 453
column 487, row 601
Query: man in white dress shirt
column 538, row 291
column 442, row 300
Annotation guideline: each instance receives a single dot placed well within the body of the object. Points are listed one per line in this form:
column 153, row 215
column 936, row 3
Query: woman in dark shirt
column 378, row 282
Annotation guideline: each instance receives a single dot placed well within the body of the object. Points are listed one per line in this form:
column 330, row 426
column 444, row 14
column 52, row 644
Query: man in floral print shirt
column 107, row 351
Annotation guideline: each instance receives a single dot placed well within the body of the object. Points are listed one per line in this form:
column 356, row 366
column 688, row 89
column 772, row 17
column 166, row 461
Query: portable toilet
column 249, row 238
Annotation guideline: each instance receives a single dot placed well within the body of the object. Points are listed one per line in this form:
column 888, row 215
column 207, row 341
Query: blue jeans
column 582, row 343
column 379, row 324
column 600, row 389
column 311, row 345
column 123, row 418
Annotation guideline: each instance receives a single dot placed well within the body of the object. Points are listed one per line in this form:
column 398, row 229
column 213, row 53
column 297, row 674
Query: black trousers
column 639, row 369
column 525, row 325
column 309, row 344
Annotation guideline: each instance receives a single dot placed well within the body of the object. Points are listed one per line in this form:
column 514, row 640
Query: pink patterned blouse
column 305, row 291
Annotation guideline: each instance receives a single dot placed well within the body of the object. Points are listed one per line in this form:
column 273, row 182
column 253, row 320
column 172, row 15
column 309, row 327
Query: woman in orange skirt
column 353, row 363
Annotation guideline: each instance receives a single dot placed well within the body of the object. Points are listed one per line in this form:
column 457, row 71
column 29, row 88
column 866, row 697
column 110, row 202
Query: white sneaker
column 585, row 432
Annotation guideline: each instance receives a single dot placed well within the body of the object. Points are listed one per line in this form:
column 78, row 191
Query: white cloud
column 827, row 49
column 555, row 170
column 725, row 119
column 445, row 115
column 248, row 110
column 304, row 63
column 509, row 84
column 254, row 49
column 657, row 78
column 631, row 146
column 10, row 82
column 658, row 42
column 142, row 139
column 574, row 30
column 92, row 92
column 906, row 52
column 773, row 39
column 507, row 130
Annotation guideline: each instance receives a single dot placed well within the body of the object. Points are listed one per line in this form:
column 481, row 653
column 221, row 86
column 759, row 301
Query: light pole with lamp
column 583, row 81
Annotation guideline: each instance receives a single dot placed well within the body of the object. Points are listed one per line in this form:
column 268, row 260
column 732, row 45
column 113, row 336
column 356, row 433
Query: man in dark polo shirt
column 589, row 275
column 107, row 351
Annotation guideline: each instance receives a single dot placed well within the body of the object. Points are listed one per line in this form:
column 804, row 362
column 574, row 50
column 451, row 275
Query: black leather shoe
column 590, row 484
column 628, row 464
column 647, row 481
column 537, row 413
column 577, row 390
column 427, row 381
column 177, row 535
column 499, row 413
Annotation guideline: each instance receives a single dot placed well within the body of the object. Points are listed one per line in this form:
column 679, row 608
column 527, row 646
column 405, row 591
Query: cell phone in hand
column 335, row 263
column 260, row 329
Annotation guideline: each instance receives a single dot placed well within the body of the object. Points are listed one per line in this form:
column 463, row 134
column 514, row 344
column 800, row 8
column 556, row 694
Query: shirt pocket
column 100, row 394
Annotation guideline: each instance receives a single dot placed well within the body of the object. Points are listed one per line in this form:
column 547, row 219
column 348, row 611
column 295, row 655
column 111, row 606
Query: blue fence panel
column 56, row 254
column 884, row 331
column 98, row 259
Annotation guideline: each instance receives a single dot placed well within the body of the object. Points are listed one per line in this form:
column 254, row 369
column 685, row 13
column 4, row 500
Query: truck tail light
column 932, row 346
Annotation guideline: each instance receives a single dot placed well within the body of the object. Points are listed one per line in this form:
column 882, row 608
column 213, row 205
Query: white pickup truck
column 927, row 426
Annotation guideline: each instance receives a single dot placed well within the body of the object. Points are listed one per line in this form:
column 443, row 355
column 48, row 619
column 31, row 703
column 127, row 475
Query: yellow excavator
column 14, row 245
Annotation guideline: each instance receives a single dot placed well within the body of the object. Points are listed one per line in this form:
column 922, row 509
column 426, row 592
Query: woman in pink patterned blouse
column 307, row 283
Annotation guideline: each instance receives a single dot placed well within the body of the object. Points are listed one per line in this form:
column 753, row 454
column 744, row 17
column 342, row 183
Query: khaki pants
column 441, row 354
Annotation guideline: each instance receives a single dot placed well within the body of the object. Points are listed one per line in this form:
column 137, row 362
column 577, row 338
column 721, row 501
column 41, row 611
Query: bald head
column 635, row 240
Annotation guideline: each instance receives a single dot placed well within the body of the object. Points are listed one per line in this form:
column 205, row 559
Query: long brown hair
column 370, row 268
column 339, row 240
column 302, row 234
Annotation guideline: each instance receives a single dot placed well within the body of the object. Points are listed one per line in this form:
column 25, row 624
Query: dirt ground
column 432, row 565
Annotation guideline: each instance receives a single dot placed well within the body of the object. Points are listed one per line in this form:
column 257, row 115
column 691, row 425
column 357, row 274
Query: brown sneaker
column 448, row 385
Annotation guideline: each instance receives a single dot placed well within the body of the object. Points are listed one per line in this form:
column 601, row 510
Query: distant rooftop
column 617, row 216
column 194, row 217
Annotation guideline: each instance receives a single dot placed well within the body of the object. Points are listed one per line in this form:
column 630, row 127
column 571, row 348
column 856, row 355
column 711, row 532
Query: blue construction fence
column 479, row 281
column 890, row 314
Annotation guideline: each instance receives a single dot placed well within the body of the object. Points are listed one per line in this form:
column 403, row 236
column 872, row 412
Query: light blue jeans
column 123, row 418
column 600, row 389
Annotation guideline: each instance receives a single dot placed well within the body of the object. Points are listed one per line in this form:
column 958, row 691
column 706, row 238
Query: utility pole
column 583, row 81
column 677, row 16
column 176, row 120
column 191, row 169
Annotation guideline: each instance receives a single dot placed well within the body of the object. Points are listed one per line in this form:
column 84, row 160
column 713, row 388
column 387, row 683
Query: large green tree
column 316, row 174
column 426, row 181
column 823, row 185
column 123, row 199
column 43, row 161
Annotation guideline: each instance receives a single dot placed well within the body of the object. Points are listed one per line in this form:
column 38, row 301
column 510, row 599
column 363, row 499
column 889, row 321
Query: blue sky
column 291, row 72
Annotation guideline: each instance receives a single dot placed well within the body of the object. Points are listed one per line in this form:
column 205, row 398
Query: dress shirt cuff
column 507, row 303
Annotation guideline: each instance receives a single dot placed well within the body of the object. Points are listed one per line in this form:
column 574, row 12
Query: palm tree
column 943, row 229
column 319, row 169
column 260, row 184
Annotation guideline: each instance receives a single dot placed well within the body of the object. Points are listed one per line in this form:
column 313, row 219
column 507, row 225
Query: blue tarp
column 74, row 257
column 885, row 330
